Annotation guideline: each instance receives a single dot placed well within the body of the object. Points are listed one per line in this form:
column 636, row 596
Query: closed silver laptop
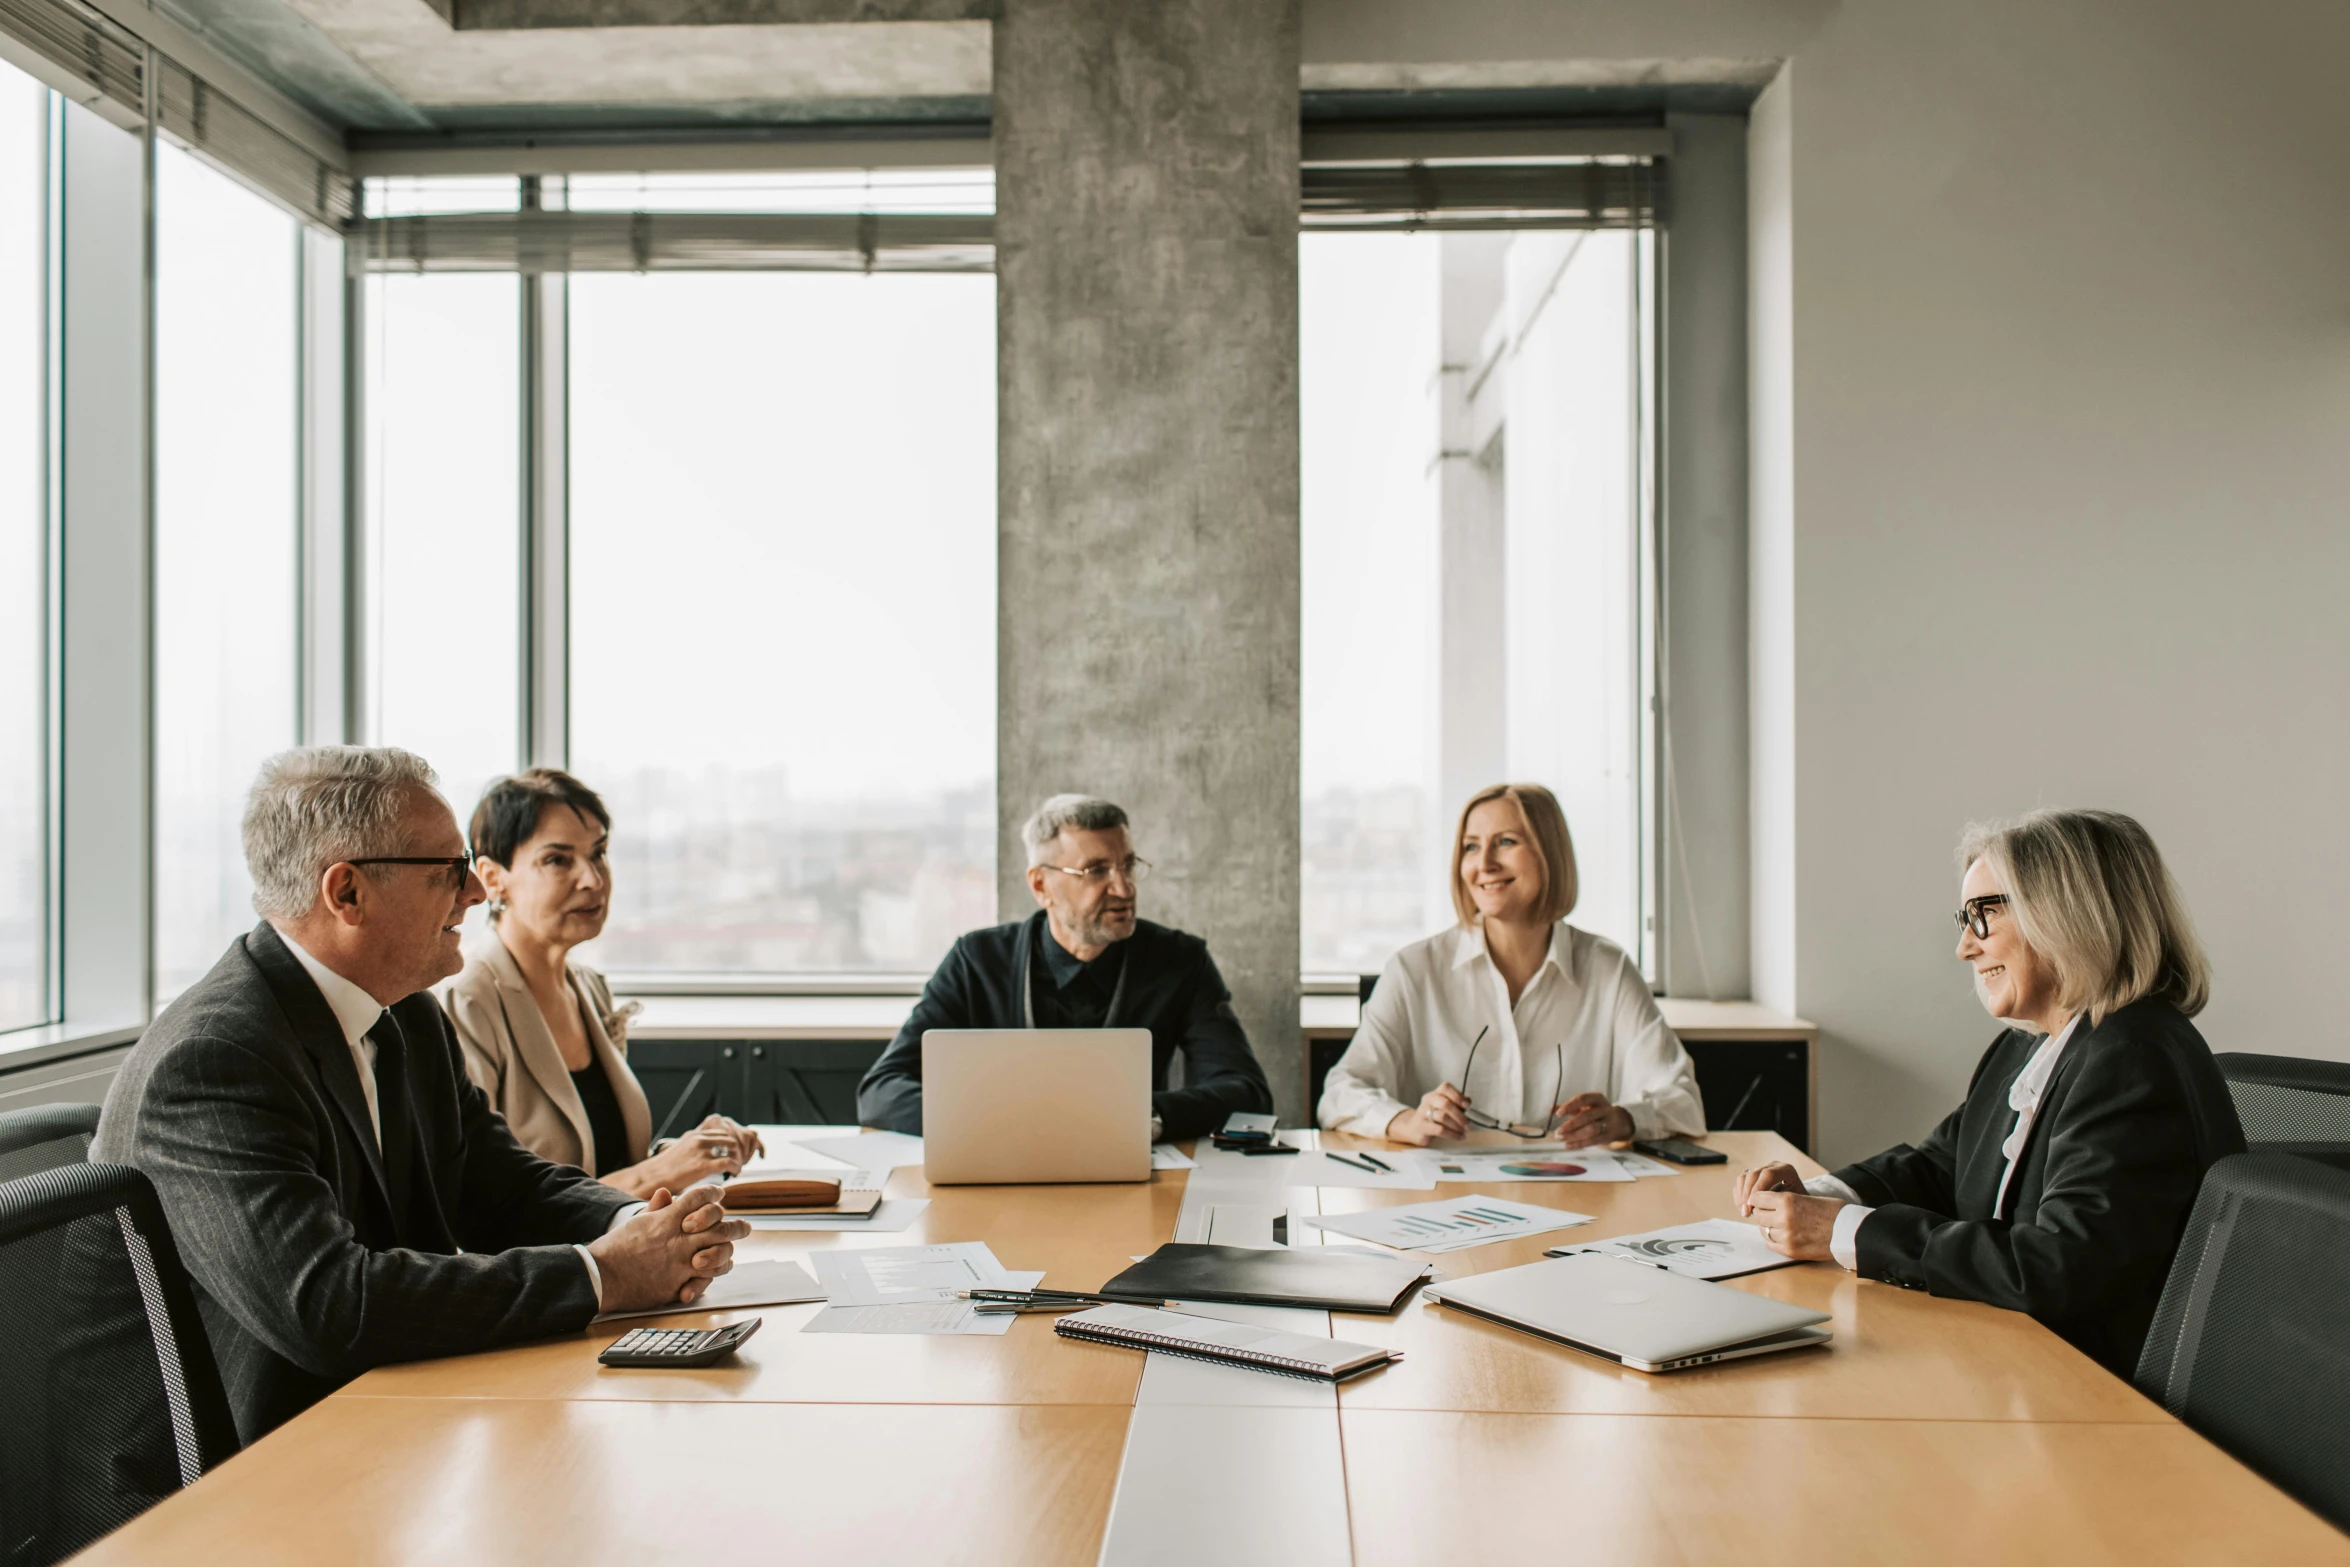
column 1643, row 1317
column 1022, row 1106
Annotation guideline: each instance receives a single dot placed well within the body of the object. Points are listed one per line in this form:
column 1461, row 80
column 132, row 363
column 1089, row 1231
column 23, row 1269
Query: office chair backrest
column 45, row 1137
column 2288, row 1099
column 2251, row 1342
column 111, row 1398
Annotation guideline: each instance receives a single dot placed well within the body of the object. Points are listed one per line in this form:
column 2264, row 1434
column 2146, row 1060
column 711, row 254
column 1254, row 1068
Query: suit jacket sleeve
column 510, row 1196
column 890, row 1095
column 1220, row 1072
column 233, row 1150
column 2121, row 1171
column 1924, row 1176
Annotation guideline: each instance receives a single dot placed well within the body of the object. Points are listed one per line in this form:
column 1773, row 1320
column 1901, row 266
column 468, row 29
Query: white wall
column 2065, row 422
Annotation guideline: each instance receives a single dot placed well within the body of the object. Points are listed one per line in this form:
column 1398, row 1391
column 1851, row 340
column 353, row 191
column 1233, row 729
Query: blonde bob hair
column 2090, row 896
column 1546, row 834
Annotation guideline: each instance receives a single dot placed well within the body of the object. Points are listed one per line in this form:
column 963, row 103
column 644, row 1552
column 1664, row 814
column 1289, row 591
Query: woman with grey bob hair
column 2063, row 1183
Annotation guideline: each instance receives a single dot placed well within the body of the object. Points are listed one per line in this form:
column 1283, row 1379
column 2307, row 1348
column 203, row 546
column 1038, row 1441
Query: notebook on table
column 1314, row 1276
column 1632, row 1313
column 1228, row 1343
column 799, row 1194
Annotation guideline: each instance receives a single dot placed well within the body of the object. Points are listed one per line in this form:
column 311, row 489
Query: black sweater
column 2133, row 1116
column 1168, row 985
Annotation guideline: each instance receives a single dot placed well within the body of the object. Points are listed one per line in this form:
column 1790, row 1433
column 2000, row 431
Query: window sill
column 23, row 1047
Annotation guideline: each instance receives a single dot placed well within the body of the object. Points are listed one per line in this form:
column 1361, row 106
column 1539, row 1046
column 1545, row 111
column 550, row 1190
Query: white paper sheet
column 1708, row 1249
column 905, row 1275
column 1643, row 1166
column 867, row 1150
column 1409, row 1174
column 923, row 1316
column 894, row 1214
column 749, row 1284
column 1166, row 1156
column 1537, row 1162
column 1450, row 1224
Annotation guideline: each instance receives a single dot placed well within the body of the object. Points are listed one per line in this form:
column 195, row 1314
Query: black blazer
column 2133, row 1116
column 313, row 1257
column 1171, row 988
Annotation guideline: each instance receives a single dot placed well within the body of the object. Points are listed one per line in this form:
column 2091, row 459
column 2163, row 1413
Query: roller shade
column 102, row 66
column 1584, row 193
column 545, row 241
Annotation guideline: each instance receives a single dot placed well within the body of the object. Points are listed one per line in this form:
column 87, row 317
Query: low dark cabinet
column 796, row 1081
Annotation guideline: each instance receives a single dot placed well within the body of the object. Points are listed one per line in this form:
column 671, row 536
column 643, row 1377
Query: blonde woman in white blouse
column 1514, row 1017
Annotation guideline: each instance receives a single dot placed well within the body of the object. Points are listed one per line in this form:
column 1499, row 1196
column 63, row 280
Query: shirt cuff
column 595, row 1274
column 621, row 1215
column 1844, row 1240
column 1829, row 1186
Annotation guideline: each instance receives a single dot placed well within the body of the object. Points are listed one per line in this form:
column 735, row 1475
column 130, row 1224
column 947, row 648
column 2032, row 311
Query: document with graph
column 1449, row 1225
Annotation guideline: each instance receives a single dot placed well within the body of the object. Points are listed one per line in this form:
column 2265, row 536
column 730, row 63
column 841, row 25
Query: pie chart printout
column 1552, row 1169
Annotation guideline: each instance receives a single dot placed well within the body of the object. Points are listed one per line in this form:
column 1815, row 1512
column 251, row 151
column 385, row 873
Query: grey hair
column 318, row 804
column 2090, row 895
column 1062, row 812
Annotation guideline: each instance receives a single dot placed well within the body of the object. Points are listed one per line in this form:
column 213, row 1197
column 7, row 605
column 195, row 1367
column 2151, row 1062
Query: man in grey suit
column 343, row 1195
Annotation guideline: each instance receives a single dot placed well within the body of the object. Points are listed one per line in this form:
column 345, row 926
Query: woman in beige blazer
column 541, row 1036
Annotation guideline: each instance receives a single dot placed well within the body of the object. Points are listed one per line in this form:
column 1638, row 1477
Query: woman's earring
column 497, row 906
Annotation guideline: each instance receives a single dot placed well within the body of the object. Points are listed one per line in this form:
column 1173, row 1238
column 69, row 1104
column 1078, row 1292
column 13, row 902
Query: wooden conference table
column 1930, row 1430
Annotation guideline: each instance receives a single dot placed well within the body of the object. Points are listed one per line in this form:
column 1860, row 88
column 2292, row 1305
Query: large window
column 227, row 611
column 444, row 545
column 24, row 553
column 783, row 613
column 1475, row 566
column 443, row 491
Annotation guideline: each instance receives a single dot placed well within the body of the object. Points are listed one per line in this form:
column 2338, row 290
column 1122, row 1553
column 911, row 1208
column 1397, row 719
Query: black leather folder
column 1309, row 1276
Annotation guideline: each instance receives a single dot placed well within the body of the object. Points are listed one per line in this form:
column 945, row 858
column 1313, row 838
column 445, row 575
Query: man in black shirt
column 1083, row 961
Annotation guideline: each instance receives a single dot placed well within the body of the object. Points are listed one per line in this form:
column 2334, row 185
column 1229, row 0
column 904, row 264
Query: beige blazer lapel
column 535, row 1045
column 607, row 1032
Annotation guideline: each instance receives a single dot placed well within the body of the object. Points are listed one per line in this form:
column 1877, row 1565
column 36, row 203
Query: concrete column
column 1146, row 285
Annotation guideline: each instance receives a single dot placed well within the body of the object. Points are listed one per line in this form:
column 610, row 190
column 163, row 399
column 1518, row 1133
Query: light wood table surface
column 1930, row 1430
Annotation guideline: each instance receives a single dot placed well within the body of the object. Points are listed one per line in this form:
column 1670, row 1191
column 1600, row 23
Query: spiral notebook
column 1232, row 1343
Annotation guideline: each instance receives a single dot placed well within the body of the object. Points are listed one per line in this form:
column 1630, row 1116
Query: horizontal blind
column 551, row 241
column 108, row 63
column 1576, row 193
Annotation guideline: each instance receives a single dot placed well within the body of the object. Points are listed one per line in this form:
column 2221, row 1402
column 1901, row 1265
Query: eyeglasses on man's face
column 1975, row 914
column 1095, row 872
column 1525, row 1130
column 459, row 866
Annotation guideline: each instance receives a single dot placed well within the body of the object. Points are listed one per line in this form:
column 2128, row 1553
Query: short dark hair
column 510, row 809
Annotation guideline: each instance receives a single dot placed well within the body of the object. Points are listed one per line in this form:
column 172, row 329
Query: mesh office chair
column 2251, row 1344
column 2291, row 1105
column 111, row 1396
column 45, row 1137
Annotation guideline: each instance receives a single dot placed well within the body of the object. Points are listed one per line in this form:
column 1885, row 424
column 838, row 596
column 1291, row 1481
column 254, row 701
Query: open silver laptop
column 1020, row 1106
column 1643, row 1317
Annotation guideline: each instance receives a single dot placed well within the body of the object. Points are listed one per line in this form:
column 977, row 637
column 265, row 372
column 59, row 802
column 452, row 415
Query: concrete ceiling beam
column 507, row 15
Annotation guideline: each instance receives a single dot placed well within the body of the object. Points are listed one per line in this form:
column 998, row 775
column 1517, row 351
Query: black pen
column 1372, row 1158
column 1355, row 1164
column 1039, row 1296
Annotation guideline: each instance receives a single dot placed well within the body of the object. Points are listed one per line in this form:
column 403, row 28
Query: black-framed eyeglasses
column 1975, row 913
column 1526, row 1130
column 460, row 864
column 1134, row 868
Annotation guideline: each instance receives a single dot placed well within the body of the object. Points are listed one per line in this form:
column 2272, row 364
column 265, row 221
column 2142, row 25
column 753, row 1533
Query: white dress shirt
column 2023, row 1097
column 358, row 1012
column 1587, row 1004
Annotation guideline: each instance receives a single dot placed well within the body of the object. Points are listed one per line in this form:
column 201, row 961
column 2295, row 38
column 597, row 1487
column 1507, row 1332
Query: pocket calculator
column 678, row 1346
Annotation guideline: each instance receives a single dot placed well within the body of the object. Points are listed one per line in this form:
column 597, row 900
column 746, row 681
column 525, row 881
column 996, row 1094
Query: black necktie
column 394, row 1120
